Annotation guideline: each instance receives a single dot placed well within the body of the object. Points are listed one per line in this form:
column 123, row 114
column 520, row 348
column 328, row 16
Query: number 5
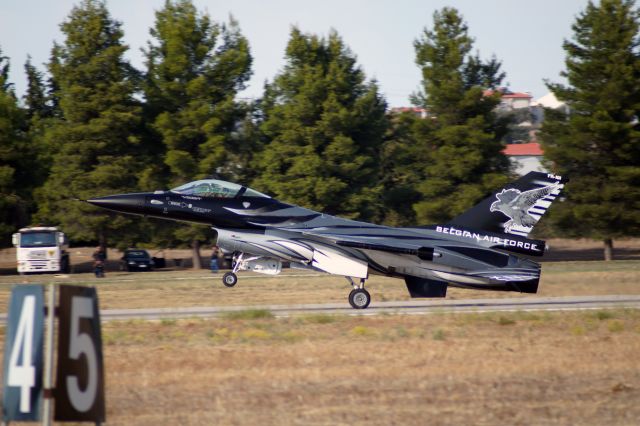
column 81, row 343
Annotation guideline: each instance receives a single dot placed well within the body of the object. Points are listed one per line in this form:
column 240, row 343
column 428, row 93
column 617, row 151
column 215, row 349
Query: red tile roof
column 508, row 95
column 407, row 109
column 517, row 95
column 532, row 148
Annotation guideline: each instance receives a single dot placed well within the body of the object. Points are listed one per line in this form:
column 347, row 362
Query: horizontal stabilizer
column 517, row 285
column 422, row 287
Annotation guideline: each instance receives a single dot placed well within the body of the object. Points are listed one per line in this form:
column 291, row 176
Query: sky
column 525, row 35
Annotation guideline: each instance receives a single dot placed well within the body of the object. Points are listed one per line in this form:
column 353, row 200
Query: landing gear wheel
column 359, row 298
column 229, row 279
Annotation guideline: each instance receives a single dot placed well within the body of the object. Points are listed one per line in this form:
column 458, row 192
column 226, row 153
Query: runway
column 421, row 307
column 412, row 307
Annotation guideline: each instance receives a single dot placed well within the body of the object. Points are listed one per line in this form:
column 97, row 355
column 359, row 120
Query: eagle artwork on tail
column 516, row 205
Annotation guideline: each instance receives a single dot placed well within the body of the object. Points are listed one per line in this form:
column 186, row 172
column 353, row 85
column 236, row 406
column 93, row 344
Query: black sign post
column 23, row 358
column 79, row 393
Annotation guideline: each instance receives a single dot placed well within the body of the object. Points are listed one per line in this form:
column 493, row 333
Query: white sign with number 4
column 23, row 374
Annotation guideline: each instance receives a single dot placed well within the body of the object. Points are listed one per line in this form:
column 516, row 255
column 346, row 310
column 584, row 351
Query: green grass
column 615, row 326
column 578, row 330
column 589, row 266
column 319, row 318
column 503, row 320
column 603, row 315
column 255, row 334
column 248, row 314
column 361, row 330
column 439, row 335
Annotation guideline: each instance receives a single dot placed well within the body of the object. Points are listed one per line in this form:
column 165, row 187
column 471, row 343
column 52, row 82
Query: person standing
column 99, row 256
column 214, row 259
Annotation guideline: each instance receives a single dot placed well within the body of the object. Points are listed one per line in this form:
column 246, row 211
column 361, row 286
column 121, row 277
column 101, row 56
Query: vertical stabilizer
column 516, row 208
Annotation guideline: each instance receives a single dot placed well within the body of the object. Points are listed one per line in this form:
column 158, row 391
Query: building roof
column 550, row 101
column 517, row 95
column 532, row 148
column 408, row 109
column 504, row 93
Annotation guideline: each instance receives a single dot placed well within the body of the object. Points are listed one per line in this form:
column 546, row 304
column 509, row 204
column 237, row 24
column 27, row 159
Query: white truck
column 41, row 249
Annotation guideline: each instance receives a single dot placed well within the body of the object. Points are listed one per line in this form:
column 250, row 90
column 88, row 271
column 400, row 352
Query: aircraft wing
column 375, row 243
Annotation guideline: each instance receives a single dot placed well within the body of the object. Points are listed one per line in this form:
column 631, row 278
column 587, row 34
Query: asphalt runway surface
column 412, row 307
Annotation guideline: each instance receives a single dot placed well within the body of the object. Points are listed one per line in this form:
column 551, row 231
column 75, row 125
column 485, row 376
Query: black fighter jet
column 474, row 250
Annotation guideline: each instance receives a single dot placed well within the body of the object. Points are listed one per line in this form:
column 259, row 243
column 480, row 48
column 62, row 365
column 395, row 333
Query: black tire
column 229, row 279
column 359, row 298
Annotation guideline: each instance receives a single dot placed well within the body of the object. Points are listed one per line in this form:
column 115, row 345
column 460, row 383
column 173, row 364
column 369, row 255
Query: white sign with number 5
column 82, row 344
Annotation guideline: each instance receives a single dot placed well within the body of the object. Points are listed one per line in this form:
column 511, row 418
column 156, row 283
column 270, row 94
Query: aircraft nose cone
column 126, row 203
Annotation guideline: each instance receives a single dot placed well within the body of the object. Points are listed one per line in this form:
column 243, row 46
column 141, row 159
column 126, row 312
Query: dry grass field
column 577, row 368
column 466, row 369
column 442, row 369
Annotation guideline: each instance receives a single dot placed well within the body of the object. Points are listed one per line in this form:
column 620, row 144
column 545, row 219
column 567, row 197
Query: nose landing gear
column 230, row 278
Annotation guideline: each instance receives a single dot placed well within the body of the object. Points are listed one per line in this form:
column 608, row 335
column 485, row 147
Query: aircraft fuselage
column 473, row 250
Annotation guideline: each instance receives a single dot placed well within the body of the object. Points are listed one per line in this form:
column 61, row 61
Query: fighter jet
column 474, row 250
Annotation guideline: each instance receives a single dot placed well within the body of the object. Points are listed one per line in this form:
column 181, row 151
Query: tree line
column 320, row 136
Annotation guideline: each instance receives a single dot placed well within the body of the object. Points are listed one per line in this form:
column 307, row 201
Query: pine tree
column 195, row 68
column 323, row 126
column 94, row 142
column 53, row 87
column 35, row 98
column 459, row 145
column 597, row 146
column 401, row 172
column 40, row 115
column 14, row 181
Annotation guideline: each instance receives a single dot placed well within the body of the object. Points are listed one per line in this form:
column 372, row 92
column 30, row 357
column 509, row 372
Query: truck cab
column 41, row 249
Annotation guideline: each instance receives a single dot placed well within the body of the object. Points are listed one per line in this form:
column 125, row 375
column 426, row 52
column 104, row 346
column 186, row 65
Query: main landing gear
column 359, row 298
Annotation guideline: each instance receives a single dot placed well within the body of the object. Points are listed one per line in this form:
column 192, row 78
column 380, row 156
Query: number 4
column 23, row 375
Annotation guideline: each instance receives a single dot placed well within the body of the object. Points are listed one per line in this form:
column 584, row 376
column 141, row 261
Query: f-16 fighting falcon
column 474, row 250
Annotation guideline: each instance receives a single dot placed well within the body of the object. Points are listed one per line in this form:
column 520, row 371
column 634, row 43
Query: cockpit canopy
column 213, row 188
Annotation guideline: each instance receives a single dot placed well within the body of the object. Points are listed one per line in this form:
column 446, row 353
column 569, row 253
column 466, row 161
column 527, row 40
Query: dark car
column 136, row 260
